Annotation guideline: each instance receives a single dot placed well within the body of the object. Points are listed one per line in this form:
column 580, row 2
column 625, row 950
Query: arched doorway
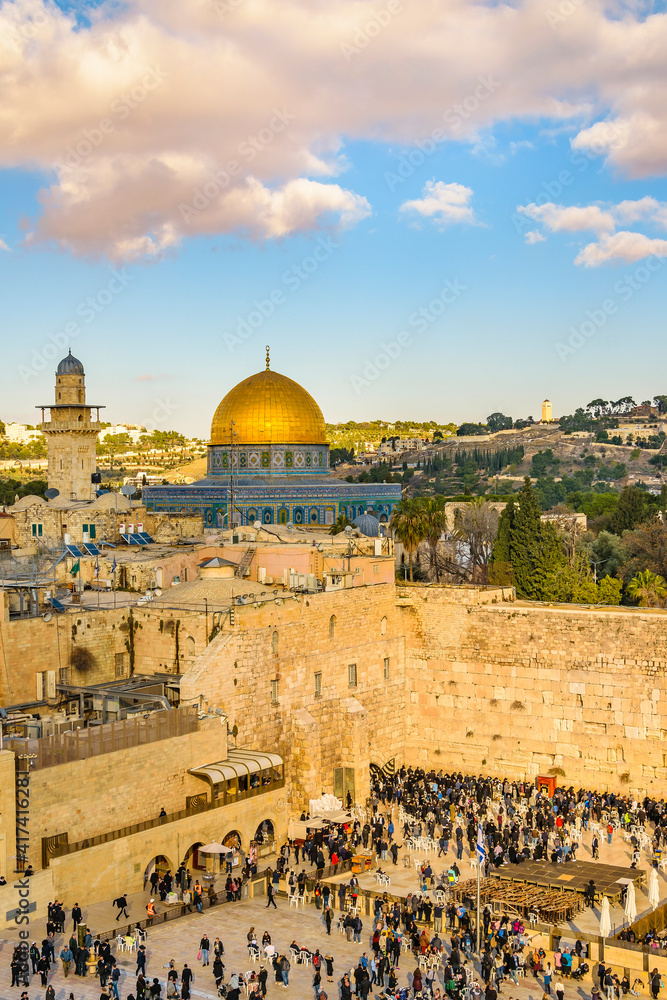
column 159, row 864
column 233, row 840
column 193, row 860
column 265, row 833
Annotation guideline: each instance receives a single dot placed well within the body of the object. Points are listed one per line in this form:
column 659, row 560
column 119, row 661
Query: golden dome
column 268, row 408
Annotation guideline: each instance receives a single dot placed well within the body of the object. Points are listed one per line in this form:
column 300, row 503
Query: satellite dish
column 157, row 593
column 128, row 491
column 51, row 493
column 47, row 616
column 257, row 524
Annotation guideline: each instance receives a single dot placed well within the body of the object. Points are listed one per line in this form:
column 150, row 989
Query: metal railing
column 58, row 850
column 80, row 744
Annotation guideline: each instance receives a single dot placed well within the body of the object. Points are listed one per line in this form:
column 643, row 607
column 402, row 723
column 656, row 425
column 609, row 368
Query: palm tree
column 648, row 589
column 434, row 522
column 407, row 526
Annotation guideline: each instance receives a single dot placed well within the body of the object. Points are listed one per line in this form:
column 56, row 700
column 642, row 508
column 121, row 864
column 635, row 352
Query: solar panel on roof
column 134, row 539
column 57, row 605
column 91, row 549
column 75, row 551
column 145, row 537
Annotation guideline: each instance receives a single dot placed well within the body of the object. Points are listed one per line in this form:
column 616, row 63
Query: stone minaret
column 71, row 434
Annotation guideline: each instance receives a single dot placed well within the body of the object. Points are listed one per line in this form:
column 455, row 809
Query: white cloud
column 622, row 247
column 570, row 218
column 611, row 246
column 444, row 203
column 3, row 246
column 186, row 94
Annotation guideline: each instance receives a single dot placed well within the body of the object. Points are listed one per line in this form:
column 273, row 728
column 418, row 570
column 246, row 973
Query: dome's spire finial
column 267, row 359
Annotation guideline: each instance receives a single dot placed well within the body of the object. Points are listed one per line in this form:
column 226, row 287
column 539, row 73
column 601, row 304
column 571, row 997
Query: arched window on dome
column 332, row 627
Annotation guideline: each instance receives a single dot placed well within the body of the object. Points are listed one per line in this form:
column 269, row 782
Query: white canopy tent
column 605, row 918
column 653, row 889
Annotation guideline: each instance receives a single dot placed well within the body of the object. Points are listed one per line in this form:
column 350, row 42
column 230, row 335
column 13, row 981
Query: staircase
column 243, row 568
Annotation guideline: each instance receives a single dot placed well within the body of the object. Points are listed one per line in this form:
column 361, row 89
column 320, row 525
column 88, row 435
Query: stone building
column 268, row 462
column 71, row 434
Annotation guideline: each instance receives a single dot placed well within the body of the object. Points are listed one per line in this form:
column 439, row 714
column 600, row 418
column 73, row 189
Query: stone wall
column 104, row 871
column 522, row 689
column 99, row 794
column 288, row 642
column 92, row 647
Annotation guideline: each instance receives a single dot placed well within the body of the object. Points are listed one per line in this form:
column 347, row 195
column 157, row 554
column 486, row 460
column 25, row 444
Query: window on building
column 37, row 530
column 332, row 626
column 352, row 674
column 376, row 568
column 386, row 668
column 120, row 664
column 63, row 675
column 90, row 530
column 318, row 684
column 274, row 642
column 274, row 692
column 383, row 626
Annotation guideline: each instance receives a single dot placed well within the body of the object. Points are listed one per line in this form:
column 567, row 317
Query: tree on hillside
column 433, row 524
column 597, row 407
column 632, row 509
column 608, row 554
column 661, row 403
column 609, row 590
column 477, row 528
column 645, row 548
column 498, row 422
column 648, row 589
column 406, row 523
column 535, row 549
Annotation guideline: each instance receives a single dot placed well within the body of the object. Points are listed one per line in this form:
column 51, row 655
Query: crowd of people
column 517, row 821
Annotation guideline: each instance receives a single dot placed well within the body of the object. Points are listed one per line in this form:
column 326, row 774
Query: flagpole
column 481, row 854
column 478, row 915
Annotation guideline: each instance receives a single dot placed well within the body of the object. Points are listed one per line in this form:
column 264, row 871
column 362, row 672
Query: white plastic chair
column 131, row 945
column 253, row 954
column 120, row 942
column 294, row 900
column 473, row 863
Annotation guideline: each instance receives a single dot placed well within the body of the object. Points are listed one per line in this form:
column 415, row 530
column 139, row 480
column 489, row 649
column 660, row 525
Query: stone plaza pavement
column 180, row 939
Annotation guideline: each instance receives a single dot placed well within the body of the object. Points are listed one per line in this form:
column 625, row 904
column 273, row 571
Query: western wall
column 443, row 677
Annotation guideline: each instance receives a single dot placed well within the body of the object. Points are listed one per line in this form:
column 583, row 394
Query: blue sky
column 520, row 321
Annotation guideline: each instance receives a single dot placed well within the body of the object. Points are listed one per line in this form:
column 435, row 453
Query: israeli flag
column 481, row 853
